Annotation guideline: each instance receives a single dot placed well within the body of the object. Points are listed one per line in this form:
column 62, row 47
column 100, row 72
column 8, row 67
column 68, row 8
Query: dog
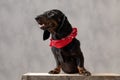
column 64, row 45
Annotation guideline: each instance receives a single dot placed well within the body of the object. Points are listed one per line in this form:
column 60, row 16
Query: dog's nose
column 37, row 18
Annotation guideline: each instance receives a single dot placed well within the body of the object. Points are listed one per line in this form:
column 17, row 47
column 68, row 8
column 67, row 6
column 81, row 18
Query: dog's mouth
column 46, row 24
column 44, row 27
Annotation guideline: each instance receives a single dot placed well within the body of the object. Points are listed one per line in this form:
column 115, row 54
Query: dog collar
column 64, row 41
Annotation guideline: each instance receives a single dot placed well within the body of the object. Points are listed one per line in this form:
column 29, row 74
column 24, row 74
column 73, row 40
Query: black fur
column 69, row 58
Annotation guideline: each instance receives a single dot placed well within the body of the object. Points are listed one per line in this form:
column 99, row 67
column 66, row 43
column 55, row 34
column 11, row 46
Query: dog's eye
column 50, row 15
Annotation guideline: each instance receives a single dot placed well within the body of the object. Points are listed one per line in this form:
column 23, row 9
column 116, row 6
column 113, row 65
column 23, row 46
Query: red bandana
column 64, row 41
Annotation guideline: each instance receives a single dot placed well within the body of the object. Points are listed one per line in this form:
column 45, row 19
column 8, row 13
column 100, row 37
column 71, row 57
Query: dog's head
column 49, row 21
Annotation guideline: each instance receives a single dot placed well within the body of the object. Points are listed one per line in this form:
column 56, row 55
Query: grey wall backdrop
column 22, row 49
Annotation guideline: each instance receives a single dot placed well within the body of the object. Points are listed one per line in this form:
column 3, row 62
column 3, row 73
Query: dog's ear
column 46, row 34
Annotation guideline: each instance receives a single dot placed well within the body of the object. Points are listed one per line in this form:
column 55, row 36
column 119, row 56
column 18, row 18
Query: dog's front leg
column 80, row 67
column 58, row 67
column 57, row 59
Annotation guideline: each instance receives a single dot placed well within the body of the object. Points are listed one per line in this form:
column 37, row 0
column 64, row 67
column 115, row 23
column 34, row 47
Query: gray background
column 22, row 49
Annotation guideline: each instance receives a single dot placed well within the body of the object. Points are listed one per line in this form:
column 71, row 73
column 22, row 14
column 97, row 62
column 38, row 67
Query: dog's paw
column 55, row 71
column 83, row 71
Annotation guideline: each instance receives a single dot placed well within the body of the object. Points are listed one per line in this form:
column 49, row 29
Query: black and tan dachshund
column 64, row 45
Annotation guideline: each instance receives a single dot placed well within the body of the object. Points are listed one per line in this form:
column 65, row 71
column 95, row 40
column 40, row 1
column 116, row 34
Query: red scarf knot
column 64, row 41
